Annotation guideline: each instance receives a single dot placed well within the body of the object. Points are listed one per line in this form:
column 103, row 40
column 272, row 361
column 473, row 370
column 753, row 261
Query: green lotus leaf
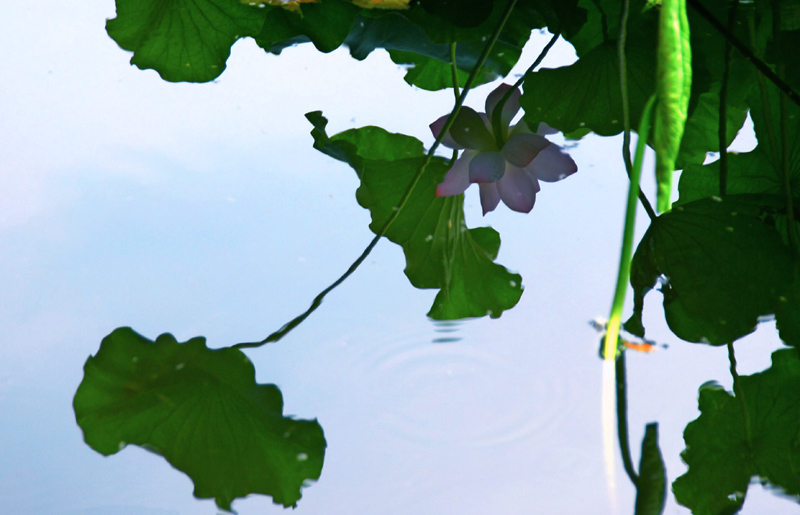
column 723, row 265
column 723, row 456
column 441, row 252
column 183, row 41
column 200, row 409
column 586, row 94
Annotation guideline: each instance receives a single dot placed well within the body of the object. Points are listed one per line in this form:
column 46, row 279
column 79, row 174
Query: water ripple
column 462, row 393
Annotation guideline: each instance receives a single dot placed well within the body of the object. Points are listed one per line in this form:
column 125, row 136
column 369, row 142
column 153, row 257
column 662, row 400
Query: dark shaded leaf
column 651, row 489
column 428, row 73
column 586, row 95
column 409, row 44
column 203, row 411
column 750, row 172
column 722, row 461
column 701, row 133
column 767, row 126
column 562, row 16
column 183, row 41
column 441, row 252
column 461, row 13
column 326, row 24
column 787, row 314
column 602, row 26
column 724, row 265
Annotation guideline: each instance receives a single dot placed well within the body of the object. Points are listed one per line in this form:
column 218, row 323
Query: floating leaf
column 750, row 172
column 441, row 252
column 651, row 488
column 326, row 24
column 203, row 411
column 409, row 44
column 787, row 315
column 428, row 73
column 767, row 125
column 758, row 171
column 724, row 265
column 701, row 133
column 461, row 13
column 586, row 95
column 721, row 458
column 183, row 41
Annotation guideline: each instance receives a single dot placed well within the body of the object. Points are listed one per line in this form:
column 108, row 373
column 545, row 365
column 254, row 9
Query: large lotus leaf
column 461, row 13
column 326, row 24
column 724, row 265
column 602, row 24
column 565, row 17
column 750, row 172
column 441, row 252
column 203, row 411
column 767, row 125
column 651, row 487
column 586, row 94
column 708, row 45
column 183, row 41
column 433, row 74
column 701, row 134
column 720, row 458
column 428, row 73
column 407, row 43
column 439, row 30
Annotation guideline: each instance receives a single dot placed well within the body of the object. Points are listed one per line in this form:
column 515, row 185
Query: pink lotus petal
column 551, row 165
column 545, row 129
column 487, row 167
column 511, row 107
column 447, row 141
column 521, row 149
column 469, row 131
column 489, row 197
column 520, row 128
column 456, row 180
column 518, row 190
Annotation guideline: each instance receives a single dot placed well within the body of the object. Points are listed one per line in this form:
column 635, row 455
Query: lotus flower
column 507, row 166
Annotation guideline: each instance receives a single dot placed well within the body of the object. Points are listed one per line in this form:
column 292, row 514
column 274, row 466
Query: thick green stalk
column 614, row 320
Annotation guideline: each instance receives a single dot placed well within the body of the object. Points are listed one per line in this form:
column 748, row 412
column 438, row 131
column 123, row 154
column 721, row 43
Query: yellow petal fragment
column 382, row 4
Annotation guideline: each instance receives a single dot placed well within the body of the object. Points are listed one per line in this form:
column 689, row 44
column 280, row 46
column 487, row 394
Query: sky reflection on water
column 203, row 210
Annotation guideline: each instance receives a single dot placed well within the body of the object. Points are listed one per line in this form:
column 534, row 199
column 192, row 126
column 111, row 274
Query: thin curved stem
column 746, row 52
column 723, row 107
column 626, row 117
column 283, row 331
column 497, row 115
column 454, row 69
column 737, row 390
column 791, row 228
column 614, row 320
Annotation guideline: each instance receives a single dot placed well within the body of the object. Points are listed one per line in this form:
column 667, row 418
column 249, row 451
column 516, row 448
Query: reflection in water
column 448, row 394
column 446, row 326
